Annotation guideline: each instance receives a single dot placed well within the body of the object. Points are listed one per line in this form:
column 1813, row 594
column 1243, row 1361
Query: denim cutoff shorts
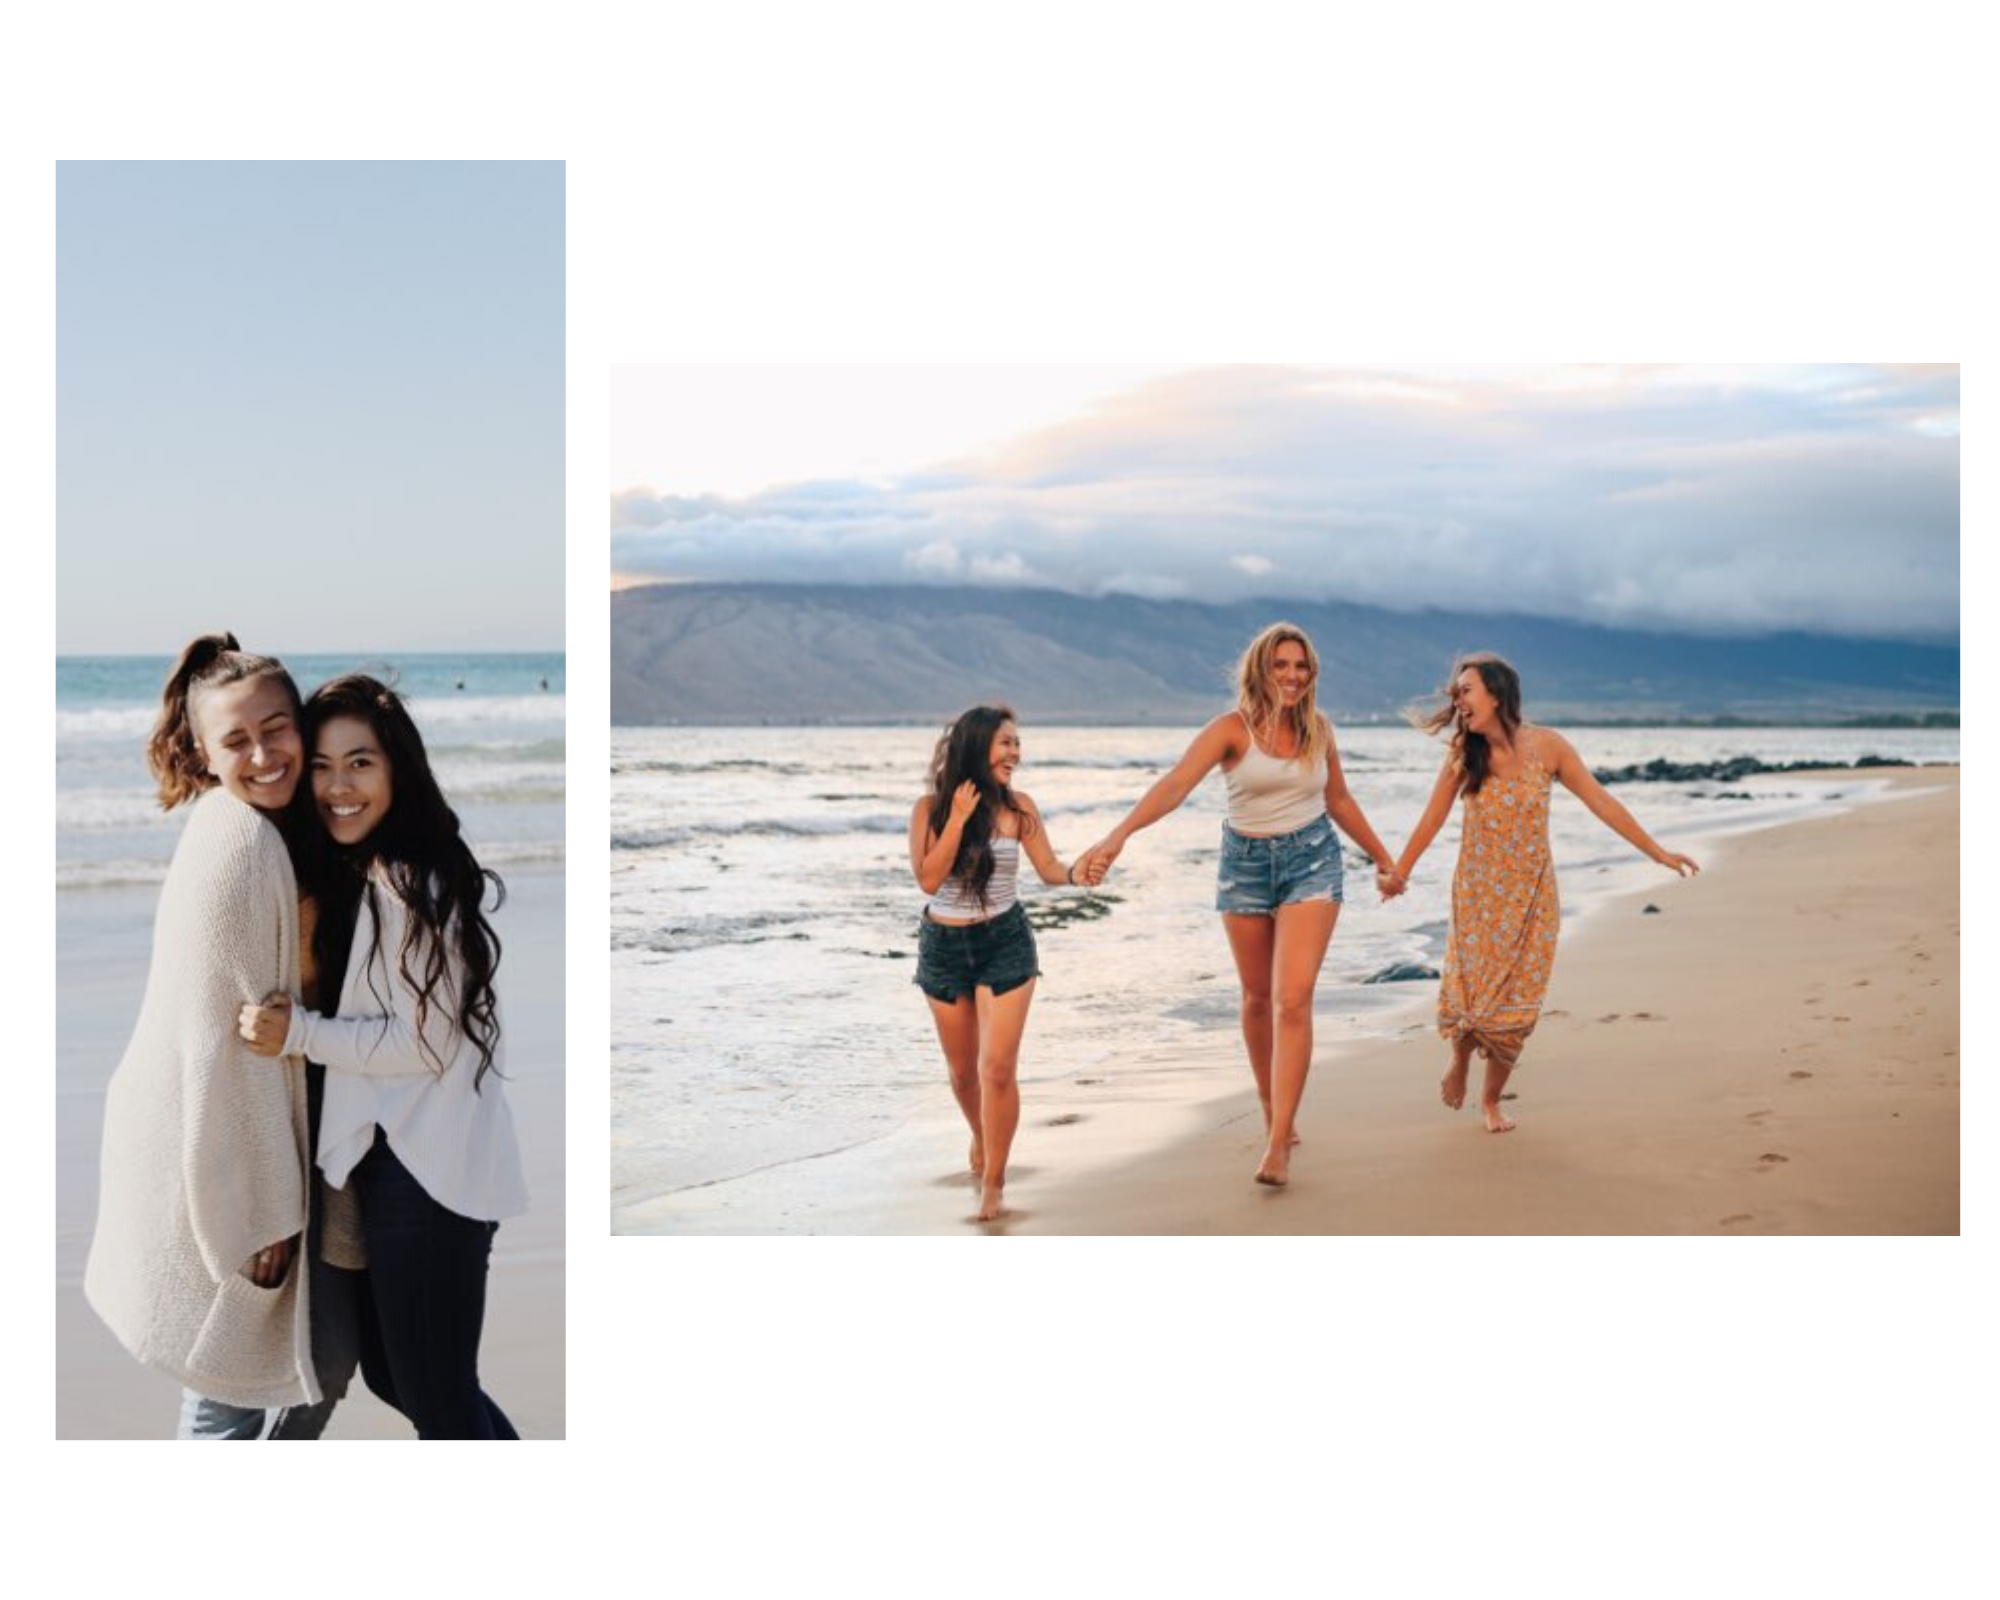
column 998, row 954
column 1256, row 876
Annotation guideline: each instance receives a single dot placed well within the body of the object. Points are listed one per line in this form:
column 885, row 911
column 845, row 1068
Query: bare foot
column 990, row 1204
column 977, row 1158
column 1276, row 1170
column 1497, row 1121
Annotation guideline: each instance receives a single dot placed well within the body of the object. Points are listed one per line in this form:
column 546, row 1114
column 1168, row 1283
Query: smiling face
column 1476, row 704
column 1004, row 755
column 248, row 735
column 351, row 783
column 1291, row 672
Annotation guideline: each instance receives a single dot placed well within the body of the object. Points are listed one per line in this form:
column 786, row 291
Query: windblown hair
column 1257, row 702
column 431, row 869
column 964, row 754
column 172, row 751
column 1469, row 751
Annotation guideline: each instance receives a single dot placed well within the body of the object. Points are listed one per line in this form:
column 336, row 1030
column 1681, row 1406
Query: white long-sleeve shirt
column 457, row 1141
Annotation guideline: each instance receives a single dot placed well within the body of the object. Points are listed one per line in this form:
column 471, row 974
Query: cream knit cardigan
column 205, row 1152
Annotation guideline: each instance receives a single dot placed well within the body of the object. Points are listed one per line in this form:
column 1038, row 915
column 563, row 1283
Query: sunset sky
column 1723, row 499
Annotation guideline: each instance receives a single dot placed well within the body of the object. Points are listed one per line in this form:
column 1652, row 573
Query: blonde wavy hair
column 1261, row 707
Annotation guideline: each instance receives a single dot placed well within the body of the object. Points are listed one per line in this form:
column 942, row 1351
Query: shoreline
column 1153, row 1144
column 1674, row 1086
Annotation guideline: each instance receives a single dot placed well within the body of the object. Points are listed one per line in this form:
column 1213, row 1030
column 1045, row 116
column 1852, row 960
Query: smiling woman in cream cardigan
column 198, row 1262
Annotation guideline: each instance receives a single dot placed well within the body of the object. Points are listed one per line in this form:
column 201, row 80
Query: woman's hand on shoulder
column 265, row 1027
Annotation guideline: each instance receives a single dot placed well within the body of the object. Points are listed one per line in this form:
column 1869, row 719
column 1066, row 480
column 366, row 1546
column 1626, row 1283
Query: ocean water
column 764, row 915
column 493, row 724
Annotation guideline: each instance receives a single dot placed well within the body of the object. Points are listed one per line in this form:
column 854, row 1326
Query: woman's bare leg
column 958, row 1032
column 1251, row 941
column 1304, row 930
column 1451, row 1087
column 1002, row 1019
column 1497, row 1074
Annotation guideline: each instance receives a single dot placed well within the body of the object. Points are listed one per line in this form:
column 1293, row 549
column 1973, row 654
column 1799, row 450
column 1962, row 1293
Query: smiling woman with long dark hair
column 1505, row 914
column 416, row 1122
column 976, row 956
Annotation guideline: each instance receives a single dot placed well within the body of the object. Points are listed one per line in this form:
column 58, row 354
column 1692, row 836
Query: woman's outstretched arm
column 1211, row 746
column 1035, row 842
column 1576, row 777
column 1443, row 793
column 1347, row 815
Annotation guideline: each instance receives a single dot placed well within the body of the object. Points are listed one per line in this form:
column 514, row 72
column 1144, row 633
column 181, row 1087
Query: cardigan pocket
column 246, row 1338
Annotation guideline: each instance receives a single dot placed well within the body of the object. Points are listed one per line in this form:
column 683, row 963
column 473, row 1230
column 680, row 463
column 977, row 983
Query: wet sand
column 1774, row 1051
column 103, row 943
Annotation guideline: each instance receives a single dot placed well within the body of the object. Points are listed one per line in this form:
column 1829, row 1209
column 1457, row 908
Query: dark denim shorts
column 1256, row 876
column 998, row 954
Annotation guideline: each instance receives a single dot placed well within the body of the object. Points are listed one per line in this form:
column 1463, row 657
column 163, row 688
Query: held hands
column 1389, row 882
column 1681, row 866
column 1095, row 863
column 264, row 1027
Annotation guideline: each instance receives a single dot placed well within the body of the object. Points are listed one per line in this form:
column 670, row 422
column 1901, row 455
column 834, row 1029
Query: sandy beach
column 1774, row 1051
column 104, row 938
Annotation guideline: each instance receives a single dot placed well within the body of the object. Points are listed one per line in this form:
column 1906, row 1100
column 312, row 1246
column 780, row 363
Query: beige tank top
column 1269, row 796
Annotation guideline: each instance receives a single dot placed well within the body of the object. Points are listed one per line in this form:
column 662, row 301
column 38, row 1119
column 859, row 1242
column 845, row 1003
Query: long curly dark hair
column 1470, row 750
column 429, row 866
column 963, row 754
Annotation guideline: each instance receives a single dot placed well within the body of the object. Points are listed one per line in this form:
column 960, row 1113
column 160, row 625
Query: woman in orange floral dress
column 1504, row 911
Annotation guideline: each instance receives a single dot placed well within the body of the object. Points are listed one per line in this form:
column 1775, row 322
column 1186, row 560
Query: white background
column 1089, row 183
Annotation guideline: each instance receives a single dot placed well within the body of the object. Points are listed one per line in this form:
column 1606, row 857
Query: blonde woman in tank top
column 1278, row 885
column 976, row 957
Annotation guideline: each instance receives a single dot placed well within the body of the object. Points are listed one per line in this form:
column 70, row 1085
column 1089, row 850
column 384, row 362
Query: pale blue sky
column 318, row 403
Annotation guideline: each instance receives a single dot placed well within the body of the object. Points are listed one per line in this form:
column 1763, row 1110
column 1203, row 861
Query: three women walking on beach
column 1279, row 880
column 1505, row 914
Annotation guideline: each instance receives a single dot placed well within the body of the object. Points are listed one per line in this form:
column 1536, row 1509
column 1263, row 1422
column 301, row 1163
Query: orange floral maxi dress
column 1504, row 916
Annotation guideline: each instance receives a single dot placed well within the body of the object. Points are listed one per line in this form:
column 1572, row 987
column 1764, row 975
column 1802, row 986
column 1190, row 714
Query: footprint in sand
column 1861, row 983
column 1613, row 1017
column 1756, row 1116
column 1843, row 1019
column 1646, row 1016
column 1063, row 1121
column 1799, row 1073
column 1771, row 1158
column 1730, row 1222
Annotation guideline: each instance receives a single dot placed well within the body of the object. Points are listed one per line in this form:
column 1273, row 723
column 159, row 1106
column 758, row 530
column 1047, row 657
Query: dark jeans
column 426, row 1288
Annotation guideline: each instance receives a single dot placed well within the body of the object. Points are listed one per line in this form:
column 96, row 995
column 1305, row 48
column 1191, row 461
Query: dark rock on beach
column 1403, row 972
column 1660, row 770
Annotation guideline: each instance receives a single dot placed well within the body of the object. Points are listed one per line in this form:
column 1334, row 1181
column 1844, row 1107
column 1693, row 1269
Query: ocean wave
column 710, row 932
column 132, row 722
column 766, row 827
column 783, row 769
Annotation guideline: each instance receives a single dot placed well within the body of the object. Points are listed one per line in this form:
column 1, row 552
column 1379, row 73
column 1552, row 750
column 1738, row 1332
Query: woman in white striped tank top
column 1279, row 884
column 976, row 958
